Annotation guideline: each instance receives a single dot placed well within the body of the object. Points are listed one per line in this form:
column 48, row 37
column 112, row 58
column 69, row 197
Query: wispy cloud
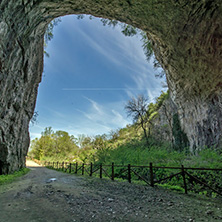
column 91, row 115
column 98, row 109
column 102, row 115
column 119, row 119
column 56, row 114
column 114, row 47
column 103, row 89
column 100, row 46
column 85, row 114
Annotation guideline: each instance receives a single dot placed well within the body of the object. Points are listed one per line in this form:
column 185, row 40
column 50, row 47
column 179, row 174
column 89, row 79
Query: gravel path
column 51, row 196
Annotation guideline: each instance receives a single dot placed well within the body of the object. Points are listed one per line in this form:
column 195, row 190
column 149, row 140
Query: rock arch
column 187, row 40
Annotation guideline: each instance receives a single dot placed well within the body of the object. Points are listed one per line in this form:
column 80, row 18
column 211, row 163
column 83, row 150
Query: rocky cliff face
column 187, row 40
column 166, row 126
column 162, row 123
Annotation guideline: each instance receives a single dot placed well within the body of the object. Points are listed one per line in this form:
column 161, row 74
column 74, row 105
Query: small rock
column 110, row 199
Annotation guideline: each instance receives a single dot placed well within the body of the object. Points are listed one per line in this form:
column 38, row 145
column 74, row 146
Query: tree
column 54, row 144
column 136, row 107
column 84, row 141
column 49, row 33
column 99, row 142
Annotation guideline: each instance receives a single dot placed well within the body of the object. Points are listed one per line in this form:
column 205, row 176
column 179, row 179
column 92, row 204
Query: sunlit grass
column 11, row 177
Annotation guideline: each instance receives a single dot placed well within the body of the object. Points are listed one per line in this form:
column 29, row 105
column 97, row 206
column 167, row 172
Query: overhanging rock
column 186, row 37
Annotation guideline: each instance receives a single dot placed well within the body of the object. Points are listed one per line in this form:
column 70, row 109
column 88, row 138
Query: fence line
column 90, row 169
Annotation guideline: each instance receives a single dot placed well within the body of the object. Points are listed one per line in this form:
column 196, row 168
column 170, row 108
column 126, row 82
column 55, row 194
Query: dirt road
column 37, row 196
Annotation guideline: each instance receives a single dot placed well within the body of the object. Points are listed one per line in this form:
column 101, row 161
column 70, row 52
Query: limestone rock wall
column 187, row 40
column 162, row 123
column 21, row 62
column 191, row 58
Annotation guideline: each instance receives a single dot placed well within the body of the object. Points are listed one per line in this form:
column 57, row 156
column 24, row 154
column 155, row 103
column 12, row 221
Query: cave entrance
column 91, row 72
column 187, row 42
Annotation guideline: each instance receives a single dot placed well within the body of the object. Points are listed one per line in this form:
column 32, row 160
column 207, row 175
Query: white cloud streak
column 101, row 117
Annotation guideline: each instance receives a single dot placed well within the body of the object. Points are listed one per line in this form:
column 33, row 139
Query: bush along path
column 49, row 195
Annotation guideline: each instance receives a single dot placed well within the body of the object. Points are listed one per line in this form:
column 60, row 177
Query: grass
column 172, row 187
column 11, row 177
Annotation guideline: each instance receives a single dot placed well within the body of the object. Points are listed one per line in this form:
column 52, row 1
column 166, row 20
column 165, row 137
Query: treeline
column 62, row 146
column 126, row 145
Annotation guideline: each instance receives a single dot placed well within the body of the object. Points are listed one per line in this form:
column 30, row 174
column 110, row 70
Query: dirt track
column 70, row 198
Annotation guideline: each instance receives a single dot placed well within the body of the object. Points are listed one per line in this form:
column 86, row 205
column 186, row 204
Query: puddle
column 51, row 180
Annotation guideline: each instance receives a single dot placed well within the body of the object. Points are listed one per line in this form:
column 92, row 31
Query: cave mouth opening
column 186, row 38
column 92, row 70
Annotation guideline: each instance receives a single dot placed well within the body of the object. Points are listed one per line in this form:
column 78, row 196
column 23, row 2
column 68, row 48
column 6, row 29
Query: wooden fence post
column 53, row 165
column 57, row 165
column 62, row 166
column 76, row 171
column 91, row 169
column 101, row 171
column 184, row 179
column 66, row 166
column 151, row 175
column 112, row 177
column 129, row 173
column 83, row 169
column 70, row 168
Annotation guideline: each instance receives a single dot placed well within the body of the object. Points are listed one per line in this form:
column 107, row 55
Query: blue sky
column 91, row 73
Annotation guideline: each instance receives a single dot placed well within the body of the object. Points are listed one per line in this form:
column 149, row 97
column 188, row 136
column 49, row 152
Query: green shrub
column 11, row 177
